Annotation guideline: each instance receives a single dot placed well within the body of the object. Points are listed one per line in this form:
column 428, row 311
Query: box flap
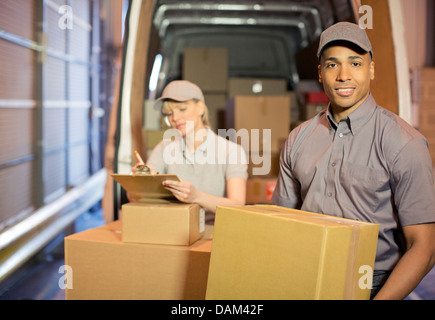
column 148, row 186
column 305, row 216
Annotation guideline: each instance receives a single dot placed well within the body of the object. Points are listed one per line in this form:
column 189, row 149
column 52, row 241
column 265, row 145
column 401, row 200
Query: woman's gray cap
column 181, row 91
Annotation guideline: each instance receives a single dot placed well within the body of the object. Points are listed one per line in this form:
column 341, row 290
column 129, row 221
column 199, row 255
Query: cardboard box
column 262, row 165
column 270, row 252
column 315, row 101
column 256, row 86
column 103, row 267
column 207, row 67
column 427, row 83
column 172, row 223
column 260, row 190
column 262, row 113
column 158, row 217
column 215, row 103
column 311, row 110
column 153, row 138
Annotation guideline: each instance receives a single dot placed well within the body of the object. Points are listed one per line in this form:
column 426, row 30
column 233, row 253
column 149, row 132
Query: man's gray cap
column 345, row 31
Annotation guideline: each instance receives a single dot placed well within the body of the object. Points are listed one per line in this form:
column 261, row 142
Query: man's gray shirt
column 372, row 166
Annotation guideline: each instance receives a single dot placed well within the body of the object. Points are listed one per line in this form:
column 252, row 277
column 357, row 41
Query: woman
column 212, row 170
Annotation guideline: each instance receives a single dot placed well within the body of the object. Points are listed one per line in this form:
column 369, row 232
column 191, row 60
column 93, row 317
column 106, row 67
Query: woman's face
column 180, row 113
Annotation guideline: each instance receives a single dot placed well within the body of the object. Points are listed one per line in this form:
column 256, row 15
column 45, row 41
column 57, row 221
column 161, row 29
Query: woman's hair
column 205, row 120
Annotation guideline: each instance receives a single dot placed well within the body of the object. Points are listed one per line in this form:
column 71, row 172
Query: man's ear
column 320, row 73
column 372, row 70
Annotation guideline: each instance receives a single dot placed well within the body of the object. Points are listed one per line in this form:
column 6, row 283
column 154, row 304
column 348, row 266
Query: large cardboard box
column 172, row 223
column 260, row 190
column 260, row 116
column 207, row 67
column 256, row 86
column 103, row 267
column 270, row 252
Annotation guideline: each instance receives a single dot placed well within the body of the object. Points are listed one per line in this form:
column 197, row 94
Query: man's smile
column 345, row 91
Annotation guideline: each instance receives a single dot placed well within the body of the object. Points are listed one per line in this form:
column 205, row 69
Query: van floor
column 38, row 279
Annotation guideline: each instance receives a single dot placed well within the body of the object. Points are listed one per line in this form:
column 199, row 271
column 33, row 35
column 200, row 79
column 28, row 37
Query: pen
column 138, row 157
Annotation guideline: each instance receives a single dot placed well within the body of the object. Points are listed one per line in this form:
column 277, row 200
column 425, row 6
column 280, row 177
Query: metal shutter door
column 16, row 112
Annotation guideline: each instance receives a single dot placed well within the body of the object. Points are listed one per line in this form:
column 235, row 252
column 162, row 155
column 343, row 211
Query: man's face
column 346, row 76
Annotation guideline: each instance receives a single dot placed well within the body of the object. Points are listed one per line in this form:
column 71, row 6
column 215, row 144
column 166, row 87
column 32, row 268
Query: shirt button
column 330, row 194
column 333, row 164
column 340, row 135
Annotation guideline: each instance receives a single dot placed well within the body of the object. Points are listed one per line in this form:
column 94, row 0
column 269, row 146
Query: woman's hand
column 183, row 190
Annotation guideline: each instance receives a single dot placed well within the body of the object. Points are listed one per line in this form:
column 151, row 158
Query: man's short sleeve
column 287, row 190
column 413, row 184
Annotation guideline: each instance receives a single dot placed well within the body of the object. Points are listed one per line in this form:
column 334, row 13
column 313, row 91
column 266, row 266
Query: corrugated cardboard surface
column 269, row 252
column 206, row 67
column 104, row 267
column 260, row 190
column 216, row 103
column 260, row 113
column 173, row 223
column 263, row 164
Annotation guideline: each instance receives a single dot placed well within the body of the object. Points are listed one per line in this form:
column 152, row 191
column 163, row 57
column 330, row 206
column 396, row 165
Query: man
column 359, row 161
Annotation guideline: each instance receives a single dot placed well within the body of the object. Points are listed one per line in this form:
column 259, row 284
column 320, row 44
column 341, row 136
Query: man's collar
column 357, row 118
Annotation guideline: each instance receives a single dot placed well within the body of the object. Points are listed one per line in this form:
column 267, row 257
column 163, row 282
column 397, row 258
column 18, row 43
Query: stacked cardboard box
column 244, row 104
column 208, row 68
column 104, row 267
column 427, row 108
column 160, row 249
column 262, row 117
column 216, row 104
column 260, row 190
column 269, row 252
column 160, row 223
column 263, row 123
column 157, row 218
column 315, row 101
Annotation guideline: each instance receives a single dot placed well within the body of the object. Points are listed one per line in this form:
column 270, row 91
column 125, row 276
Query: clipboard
column 146, row 185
